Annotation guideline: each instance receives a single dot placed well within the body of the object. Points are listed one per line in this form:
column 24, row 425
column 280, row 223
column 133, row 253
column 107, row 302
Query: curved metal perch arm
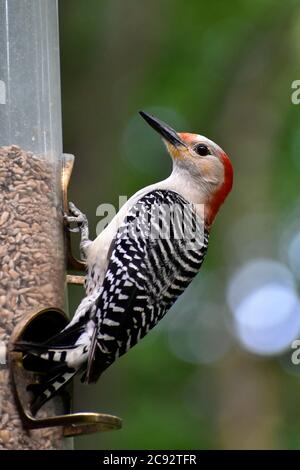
column 74, row 424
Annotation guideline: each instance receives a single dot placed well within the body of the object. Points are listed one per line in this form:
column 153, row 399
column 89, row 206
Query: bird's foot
column 82, row 226
column 76, row 217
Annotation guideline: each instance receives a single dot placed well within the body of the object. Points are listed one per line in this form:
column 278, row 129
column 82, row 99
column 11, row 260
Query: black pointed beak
column 163, row 129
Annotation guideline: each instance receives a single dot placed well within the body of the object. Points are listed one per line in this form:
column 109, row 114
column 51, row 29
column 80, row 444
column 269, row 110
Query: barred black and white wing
column 157, row 252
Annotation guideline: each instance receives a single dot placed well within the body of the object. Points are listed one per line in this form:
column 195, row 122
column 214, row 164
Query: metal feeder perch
column 51, row 321
column 35, row 250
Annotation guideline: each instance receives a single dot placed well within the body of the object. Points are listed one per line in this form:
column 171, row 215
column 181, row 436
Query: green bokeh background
column 224, row 70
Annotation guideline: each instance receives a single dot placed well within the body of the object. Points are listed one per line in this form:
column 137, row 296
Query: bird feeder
column 34, row 249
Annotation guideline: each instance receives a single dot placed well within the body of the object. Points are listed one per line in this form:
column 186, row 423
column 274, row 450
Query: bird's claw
column 76, row 217
column 75, row 212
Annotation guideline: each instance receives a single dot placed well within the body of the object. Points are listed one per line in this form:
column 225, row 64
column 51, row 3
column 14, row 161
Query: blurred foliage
column 222, row 69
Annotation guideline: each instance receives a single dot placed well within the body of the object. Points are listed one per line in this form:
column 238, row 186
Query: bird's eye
column 202, row 150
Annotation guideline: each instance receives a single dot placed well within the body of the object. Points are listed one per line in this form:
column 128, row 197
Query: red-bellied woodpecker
column 140, row 263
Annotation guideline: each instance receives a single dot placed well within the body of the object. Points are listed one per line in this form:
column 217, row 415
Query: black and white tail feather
column 57, row 364
column 145, row 275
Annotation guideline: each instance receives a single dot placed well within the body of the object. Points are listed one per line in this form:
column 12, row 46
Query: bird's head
column 206, row 164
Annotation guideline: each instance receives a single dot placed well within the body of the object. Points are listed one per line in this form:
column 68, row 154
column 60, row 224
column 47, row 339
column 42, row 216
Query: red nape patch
column 220, row 195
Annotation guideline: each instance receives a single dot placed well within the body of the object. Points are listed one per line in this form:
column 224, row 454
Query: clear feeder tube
column 32, row 267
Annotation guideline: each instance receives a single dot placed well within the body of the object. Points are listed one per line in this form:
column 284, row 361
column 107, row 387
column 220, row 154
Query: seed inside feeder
column 31, row 268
